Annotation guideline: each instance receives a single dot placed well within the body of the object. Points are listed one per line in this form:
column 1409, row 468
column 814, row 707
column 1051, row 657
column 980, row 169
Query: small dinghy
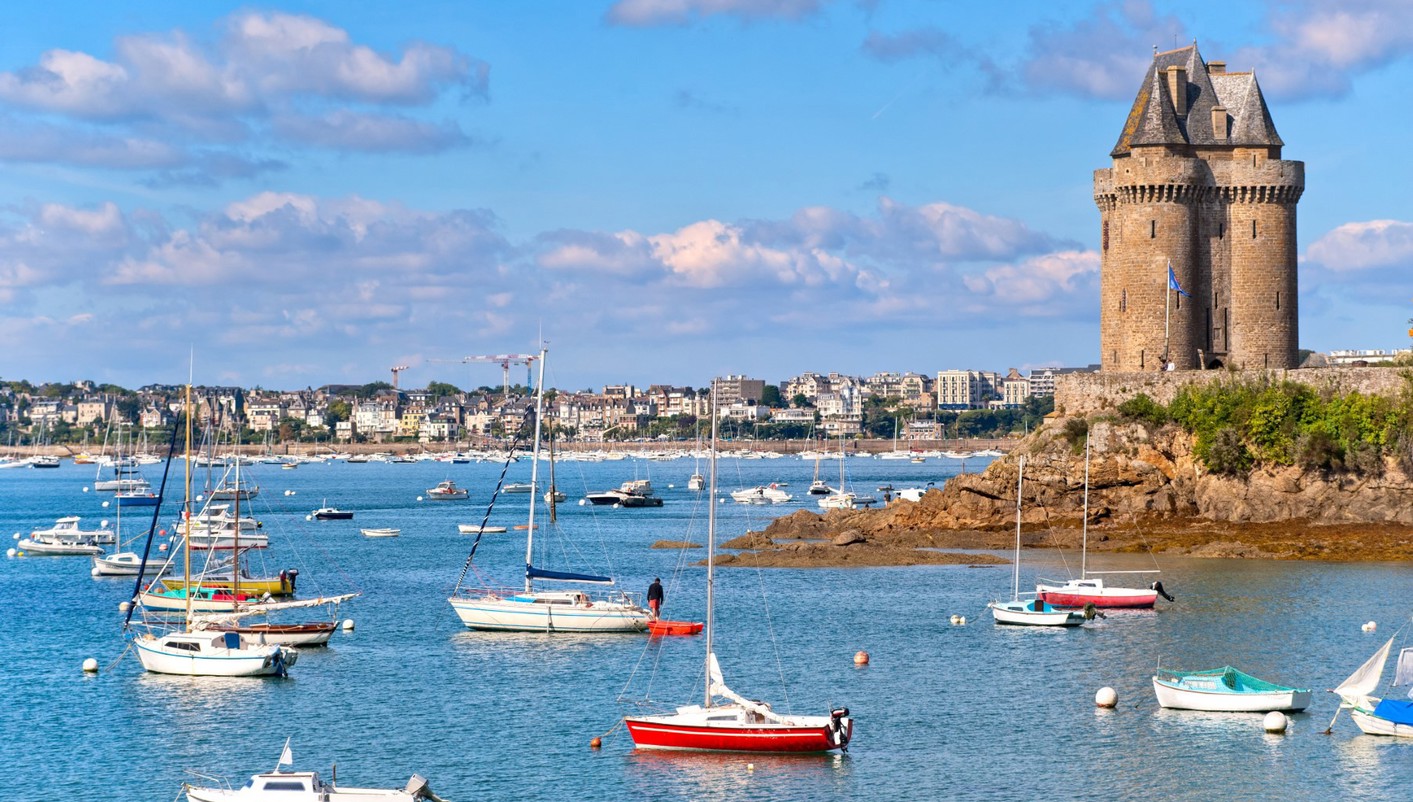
column 1225, row 690
column 661, row 627
column 473, row 529
column 381, row 532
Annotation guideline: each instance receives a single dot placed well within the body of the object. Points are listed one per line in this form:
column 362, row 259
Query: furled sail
column 205, row 619
column 565, row 576
column 718, row 688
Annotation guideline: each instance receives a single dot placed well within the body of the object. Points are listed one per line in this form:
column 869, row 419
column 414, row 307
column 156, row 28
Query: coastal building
column 734, row 389
column 1364, row 356
column 966, row 389
column 93, row 410
column 1197, row 197
column 808, row 385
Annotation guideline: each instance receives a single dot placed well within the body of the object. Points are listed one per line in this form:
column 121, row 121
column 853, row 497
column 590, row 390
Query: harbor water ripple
column 942, row 711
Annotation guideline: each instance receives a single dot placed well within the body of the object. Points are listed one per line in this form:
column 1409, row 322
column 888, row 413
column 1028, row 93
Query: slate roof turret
column 1153, row 119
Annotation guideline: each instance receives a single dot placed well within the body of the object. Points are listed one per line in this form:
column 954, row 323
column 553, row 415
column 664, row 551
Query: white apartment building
column 966, row 389
column 735, row 389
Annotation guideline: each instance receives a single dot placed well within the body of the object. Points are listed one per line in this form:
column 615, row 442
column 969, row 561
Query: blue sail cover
column 564, row 576
column 1394, row 710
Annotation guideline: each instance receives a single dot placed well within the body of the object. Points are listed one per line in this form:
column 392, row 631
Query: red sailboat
column 727, row 721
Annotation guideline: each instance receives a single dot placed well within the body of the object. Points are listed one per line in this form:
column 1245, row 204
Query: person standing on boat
column 655, row 598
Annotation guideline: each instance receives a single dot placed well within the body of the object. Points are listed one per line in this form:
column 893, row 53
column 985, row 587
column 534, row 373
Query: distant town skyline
column 306, row 193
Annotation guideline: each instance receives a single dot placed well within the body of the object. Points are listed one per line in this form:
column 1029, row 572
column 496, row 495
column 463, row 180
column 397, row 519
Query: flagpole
column 1167, row 304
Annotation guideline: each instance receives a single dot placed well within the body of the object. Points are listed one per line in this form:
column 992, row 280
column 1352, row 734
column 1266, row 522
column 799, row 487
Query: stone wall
column 1081, row 393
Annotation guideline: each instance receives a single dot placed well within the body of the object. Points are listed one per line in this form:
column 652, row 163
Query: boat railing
column 213, row 778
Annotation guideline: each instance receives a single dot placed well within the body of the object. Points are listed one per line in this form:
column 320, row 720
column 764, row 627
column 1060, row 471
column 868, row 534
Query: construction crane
column 395, row 372
column 504, row 360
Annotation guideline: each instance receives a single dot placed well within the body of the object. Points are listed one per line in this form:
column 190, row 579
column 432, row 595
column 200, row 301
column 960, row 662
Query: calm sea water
column 942, row 712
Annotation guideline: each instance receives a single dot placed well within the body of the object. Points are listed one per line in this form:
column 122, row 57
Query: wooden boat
column 727, row 721
column 382, row 532
column 312, row 634
column 1225, row 690
column 1033, row 612
column 661, row 627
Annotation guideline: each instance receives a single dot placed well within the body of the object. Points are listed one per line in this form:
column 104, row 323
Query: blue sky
column 666, row 190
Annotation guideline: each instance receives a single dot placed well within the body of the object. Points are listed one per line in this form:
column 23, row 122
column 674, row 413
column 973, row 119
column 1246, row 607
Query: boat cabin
column 196, row 642
column 306, row 781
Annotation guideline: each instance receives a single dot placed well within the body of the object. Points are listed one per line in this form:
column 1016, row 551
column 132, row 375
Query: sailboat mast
column 235, row 550
column 711, row 542
column 1084, row 537
column 535, row 471
column 1015, row 571
column 186, row 513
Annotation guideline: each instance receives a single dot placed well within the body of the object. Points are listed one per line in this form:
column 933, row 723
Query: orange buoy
column 596, row 743
column 861, row 658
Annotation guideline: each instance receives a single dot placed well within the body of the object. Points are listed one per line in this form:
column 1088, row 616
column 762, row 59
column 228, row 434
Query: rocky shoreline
column 1146, row 493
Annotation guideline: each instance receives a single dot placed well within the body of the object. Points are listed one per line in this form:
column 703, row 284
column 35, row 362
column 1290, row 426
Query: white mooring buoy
column 1106, row 697
column 1275, row 722
column 348, row 625
column 1370, row 627
column 90, row 666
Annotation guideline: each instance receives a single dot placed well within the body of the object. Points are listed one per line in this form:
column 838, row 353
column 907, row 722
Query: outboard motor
column 293, row 575
column 1158, row 586
column 1091, row 611
column 839, row 728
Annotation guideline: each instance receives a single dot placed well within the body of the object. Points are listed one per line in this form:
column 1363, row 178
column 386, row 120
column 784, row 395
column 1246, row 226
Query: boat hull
column 1108, row 598
column 315, row 634
column 659, row 732
column 1216, row 701
column 660, row 627
column 127, row 564
column 522, row 614
column 1020, row 615
column 267, row 661
column 1371, row 724
column 257, row 586
column 39, row 548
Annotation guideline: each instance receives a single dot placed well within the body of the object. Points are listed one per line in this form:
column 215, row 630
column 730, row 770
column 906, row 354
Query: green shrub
column 1145, row 410
column 1076, row 431
column 1227, row 454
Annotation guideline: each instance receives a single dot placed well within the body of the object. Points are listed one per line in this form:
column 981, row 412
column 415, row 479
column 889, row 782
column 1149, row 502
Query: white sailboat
column 1088, row 589
column 535, row 610
column 843, row 498
column 727, row 721
column 1379, row 715
column 1034, row 612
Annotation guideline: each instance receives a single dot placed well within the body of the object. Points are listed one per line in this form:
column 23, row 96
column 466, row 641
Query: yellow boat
column 282, row 585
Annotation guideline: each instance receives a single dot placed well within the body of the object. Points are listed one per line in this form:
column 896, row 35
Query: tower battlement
column 1197, row 183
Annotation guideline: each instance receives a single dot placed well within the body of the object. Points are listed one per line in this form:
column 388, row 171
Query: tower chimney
column 1216, row 68
column 1177, row 89
column 1219, row 122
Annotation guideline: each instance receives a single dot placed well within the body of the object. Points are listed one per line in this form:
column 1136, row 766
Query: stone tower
column 1198, row 181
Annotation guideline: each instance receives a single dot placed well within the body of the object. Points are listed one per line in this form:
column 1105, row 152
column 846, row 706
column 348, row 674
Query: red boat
column 1082, row 592
column 739, row 728
column 660, row 627
column 727, row 721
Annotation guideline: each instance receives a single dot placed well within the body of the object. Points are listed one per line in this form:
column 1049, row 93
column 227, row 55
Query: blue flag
column 1173, row 282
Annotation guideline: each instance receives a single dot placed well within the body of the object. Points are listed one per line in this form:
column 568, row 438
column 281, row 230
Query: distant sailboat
column 1034, row 612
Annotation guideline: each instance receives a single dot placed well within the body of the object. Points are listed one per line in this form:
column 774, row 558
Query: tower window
column 1106, row 235
column 1123, row 301
column 1140, row 360
column 1278, row 300
column 1214, row 299
column 1152, row 229
column 1221, row 230
column 1253, row 229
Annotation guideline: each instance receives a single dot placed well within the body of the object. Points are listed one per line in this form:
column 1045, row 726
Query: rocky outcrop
column 1147, row 491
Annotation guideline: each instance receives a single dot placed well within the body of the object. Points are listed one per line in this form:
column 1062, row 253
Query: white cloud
column 380, row 133
column 644, row 13
column 1371, row 245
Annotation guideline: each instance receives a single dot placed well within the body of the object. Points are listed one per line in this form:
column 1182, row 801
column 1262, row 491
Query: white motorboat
column 381, row 532
column 304, row 786
column 846, row 501
column 67, row 529
column 477, row 529
column 127, row 563
column 761, row 494
column 58, row 548
column 447, row 491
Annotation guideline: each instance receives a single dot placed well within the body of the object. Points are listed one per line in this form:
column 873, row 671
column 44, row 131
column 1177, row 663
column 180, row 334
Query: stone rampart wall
column 1079, row 393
